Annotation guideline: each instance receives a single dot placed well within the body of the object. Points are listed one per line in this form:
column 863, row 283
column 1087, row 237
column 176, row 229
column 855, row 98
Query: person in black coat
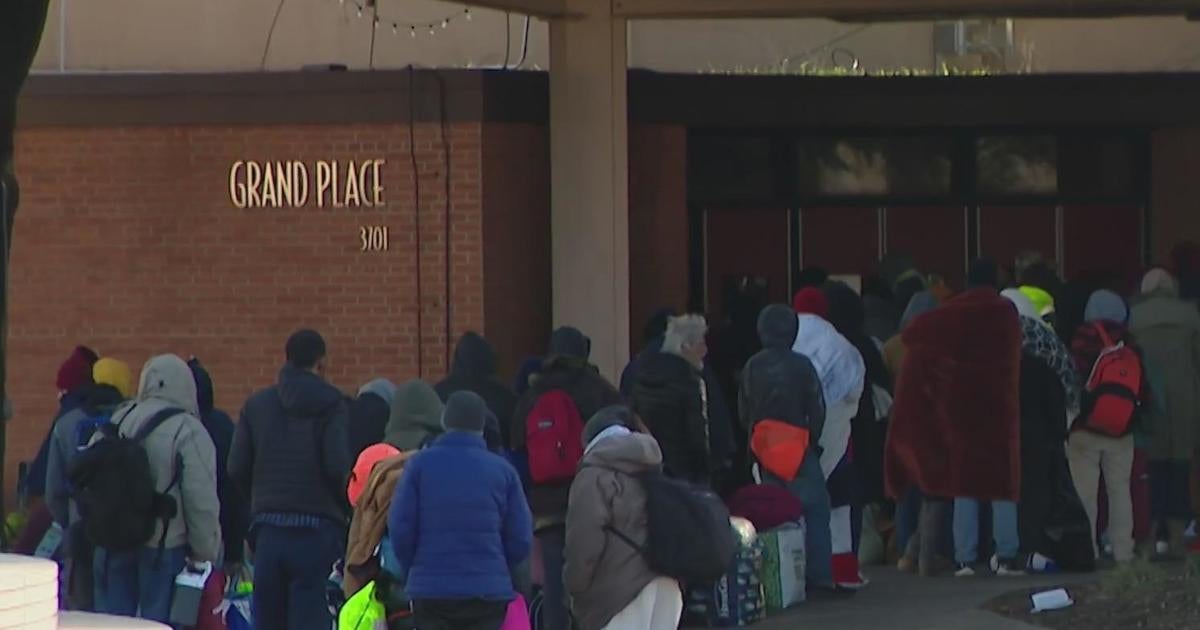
column 235, row 508
column 670, row 395
column 474, row 370
column 369, row 414
column 1051, row 520
column 566, row 369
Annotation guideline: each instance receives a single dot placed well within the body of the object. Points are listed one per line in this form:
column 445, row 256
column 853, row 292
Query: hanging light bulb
column 412, row 32
column 375, row 23
column 431, row 31
column 445, row 22
column 359, row 11
column 394, row 28
column 467, row 13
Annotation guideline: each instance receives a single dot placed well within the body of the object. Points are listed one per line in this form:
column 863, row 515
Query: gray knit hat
column 465, row 411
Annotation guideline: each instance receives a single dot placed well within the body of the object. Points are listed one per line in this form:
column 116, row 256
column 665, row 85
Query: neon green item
column 1042, row 300
column 363, row 611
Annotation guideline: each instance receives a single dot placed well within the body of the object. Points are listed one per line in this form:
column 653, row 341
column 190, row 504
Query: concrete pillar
column 589, row 196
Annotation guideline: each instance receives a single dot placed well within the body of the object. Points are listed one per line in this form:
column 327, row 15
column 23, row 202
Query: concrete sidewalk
column 903, row 602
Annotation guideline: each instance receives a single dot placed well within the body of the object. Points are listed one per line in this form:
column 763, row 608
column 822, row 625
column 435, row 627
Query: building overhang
column 856, row 9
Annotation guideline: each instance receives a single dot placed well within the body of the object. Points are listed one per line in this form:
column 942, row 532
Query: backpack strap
column 1104, row 338
column 153, row 423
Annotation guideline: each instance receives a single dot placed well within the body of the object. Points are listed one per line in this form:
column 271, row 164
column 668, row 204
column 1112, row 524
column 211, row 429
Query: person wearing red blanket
column 955, row 429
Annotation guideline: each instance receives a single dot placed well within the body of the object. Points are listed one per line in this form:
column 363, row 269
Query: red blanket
column 955, row 429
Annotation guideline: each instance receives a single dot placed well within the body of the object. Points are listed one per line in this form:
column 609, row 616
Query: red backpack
column 553, row 438
column 1114, row 388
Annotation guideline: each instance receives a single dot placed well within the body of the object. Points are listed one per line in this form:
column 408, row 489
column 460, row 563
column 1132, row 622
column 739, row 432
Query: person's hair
column 305, row 348
column 683, row 330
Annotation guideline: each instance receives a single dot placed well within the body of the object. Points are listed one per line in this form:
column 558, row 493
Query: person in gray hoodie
column 416, row 416
column 141, row 583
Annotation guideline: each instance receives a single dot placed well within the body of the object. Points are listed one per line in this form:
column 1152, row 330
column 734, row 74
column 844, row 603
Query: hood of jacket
column 168, row 379
column 777, row 326
column 305, row 394
column 632, row 454
column 837, row 362
column 846, row 310
column 381, row 387
column 474, row 357
column 204, row 386
column 416, row 416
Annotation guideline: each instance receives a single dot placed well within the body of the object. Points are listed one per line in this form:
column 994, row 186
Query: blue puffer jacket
column 458, row 521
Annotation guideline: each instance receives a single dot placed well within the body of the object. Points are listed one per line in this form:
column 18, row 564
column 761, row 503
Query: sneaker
column 964, row 569
column 1008, row 568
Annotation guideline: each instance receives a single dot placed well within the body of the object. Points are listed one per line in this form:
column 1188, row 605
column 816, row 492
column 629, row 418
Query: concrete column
column 589, row 196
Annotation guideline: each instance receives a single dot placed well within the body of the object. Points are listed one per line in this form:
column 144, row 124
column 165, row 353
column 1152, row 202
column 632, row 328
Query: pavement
column 899, row 601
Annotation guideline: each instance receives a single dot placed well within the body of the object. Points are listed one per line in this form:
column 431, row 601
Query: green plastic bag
column 363, row 611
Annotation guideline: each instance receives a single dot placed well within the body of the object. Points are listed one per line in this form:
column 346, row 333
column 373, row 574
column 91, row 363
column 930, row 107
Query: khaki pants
column 1090, row 454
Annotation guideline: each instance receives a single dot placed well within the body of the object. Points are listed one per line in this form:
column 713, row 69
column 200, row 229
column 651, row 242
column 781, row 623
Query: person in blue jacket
column 458, row 521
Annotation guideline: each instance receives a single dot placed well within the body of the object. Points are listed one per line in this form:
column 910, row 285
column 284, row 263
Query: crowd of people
column 982, row 424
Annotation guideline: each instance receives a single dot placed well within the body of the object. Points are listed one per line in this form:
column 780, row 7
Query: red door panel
column 1102, row 239
column 745, row 243
column 1005, row 231
column 935, row 238
column 840, row 240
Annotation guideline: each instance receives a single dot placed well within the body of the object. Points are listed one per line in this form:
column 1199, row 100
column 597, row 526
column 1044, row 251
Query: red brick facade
column 127, row 241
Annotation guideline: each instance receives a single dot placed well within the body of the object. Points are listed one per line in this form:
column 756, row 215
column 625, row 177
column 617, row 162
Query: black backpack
column 690, row 537
column 114, row 488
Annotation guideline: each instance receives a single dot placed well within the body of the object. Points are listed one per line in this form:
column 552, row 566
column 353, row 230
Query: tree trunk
column 21, row 25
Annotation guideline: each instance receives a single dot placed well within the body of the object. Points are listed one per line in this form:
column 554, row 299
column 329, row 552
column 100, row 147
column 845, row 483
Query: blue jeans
column 137, row 583
column 291, row 566
column 809, row 487
column 908, row 510
column 554, row 611
column 966, row 530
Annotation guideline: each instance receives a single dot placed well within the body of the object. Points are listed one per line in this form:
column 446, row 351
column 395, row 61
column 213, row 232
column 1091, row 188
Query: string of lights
column 400, row 26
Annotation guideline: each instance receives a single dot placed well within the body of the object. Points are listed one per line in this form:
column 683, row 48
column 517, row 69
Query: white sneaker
column 964, row 570
column 1161, row 547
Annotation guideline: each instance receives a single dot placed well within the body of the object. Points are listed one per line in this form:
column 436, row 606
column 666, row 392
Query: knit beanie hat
column 611, row 416
column 465, row 411
column 109, row 371
column 570, row 342
column 362, row 468
column 76, row 371
column 811, row 301
column 1104, row 305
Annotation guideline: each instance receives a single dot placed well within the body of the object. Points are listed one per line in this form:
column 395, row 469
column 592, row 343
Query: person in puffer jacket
column 458, row 521
column 611, row 586
column 779, row 384
column 671, row 397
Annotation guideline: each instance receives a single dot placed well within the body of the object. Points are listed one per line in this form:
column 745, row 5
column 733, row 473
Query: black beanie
column 465, row 411
column 570, row 342
column 613, row 415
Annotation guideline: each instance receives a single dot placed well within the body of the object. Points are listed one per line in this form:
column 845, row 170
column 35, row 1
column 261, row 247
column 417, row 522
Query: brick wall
column 127, row 241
